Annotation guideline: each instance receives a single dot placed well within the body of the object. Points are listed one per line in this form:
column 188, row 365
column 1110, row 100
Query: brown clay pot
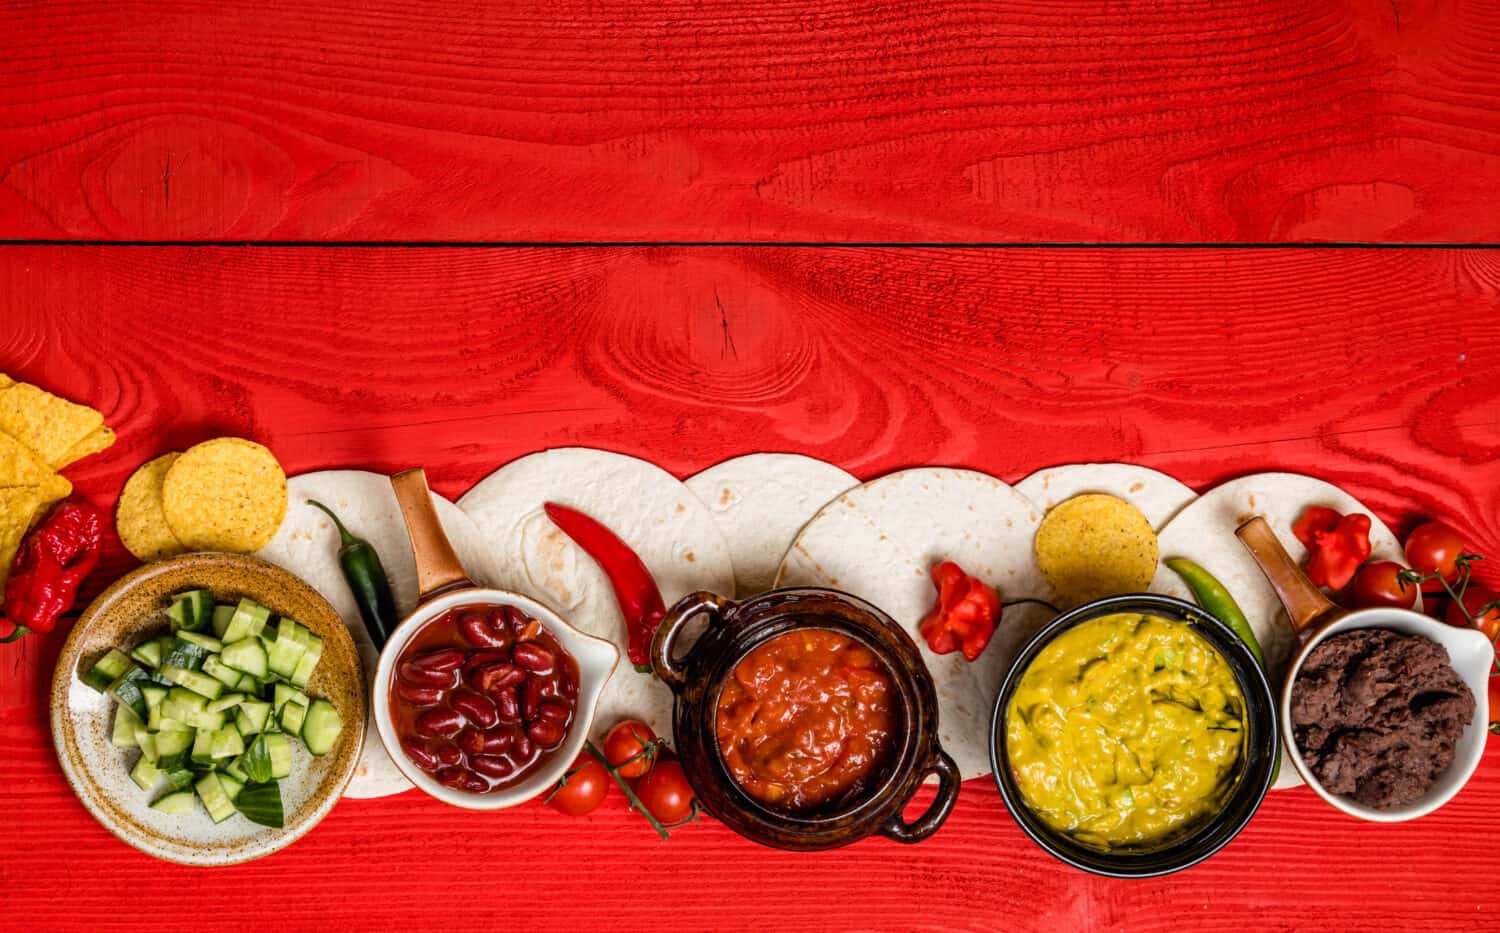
column 734, row 630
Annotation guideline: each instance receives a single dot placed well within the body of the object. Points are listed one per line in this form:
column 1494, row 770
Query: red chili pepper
column 52, row 562
column 1336, row 545
column 635, row 589
column 965, row 615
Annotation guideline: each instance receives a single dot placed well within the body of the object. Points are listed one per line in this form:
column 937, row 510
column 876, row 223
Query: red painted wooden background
column 1240, row 121
column 1375, row 369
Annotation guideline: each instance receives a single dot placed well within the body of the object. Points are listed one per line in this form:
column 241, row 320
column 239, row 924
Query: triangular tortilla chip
column 47, row 424
column 19, row 466
column 18, row 506
column 91, row 444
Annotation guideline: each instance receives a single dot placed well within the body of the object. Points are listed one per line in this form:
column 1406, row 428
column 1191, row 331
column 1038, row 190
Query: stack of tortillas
column 227, row 494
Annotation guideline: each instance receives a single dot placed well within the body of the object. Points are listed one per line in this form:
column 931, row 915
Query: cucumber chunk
column 206, row 642
column 148, row 653
column 226, row 702
column 293, row 714
column 251, row 715
column 286, row 651
column 226, row 743
column 236, row 770
column 215, row 667
column 312, row 650
column 321, row 727
column 246, row 656
column 261, row 803
column 221, row 617
column 191, row 611
column 232, row 785
column 145, row 774
column 172, row 747
column 127, row 690
column 180, row 779
column 203, row 745
column 284, row 694
column 196, row 681
column 176, row 802
column 184, row 654
column 147, row 742
column 107, row 670
column 126, row 722
column 247, row 621
column 215, row 801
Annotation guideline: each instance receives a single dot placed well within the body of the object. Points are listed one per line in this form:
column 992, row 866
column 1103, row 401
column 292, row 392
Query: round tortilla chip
column 227, row 494
column 139, row 519
column 1094, row 545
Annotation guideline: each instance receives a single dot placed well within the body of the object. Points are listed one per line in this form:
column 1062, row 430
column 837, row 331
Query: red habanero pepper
column 965, row 615
column 52, row 562
column 1336, row 545
column 635, row 589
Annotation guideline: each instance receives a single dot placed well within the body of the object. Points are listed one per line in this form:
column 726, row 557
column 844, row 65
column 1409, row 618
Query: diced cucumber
column 126, row 722
column 250, row 718
column 145, row 774
column 172, row 747
column 286, row 651
column 184, row 654
column 215, row 667
column 147, row 741
column 148, row 653
column 248, row 621
column 246, row 656
column 215, row 801
column 176, row 802
column 127, row 690
column 272, row 725
column 312, row 650
column 196, row 681
column 235, row 769
column 280, row 749
column 321, row 727
column 206, row 642
column 191, row 611
column 182, row 704
column 269, row 757
column 107, row 670
column 227, row 743
column 210, row 721
column 180, row 779
column 293, row 714
column 261, row 803
column 284, row 693
column 232, row 785
column 248, row 685
column 153, row 694
column 222, row 615
column 226, row 702
column 203, row 744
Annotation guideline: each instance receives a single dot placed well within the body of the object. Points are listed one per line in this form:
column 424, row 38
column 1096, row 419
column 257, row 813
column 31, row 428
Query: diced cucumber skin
column 292, row 716
column 196, row 681
column 176, row 802
column 206, row 642
column 127, row 690
column 246, row 656
column 126, row 722
column 256, row 762
column 222, row 615
column 215, row 801
column 261, row 804
column 178, row 778
column 107, row 670
column 321, row 727
column 226, row 702
column 232, row 785
column 248, row 621
column 215, row 667
column 184, row 654
column 145, row 774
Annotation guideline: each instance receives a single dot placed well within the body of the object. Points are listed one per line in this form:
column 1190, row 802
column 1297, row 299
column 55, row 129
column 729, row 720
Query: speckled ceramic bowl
column 82, row 717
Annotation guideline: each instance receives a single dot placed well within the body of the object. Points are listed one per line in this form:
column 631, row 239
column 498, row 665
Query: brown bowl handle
column 1305, row 604
column 438, row 569
column 711, row 605
column 947, row 795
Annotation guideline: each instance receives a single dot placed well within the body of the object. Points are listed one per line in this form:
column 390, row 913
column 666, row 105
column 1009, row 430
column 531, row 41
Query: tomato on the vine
column 1433, row 547
column 583, row 789
column 1379, row 583
column 665, row 791
column 624, row 742
column 1475, row 598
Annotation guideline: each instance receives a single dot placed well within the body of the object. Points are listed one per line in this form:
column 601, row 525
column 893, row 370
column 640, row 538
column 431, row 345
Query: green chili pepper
column 1212, row 596
column 366, row 579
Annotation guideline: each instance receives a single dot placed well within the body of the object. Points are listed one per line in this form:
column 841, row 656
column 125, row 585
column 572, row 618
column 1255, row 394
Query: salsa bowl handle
column 666, row 667
column 942, row 804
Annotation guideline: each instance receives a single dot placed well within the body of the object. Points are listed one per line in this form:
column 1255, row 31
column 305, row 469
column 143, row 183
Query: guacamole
column 1126, row 730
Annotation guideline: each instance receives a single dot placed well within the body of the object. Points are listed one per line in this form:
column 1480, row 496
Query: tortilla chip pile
column 1092, row 546
column 39, row 435
column 227, row 494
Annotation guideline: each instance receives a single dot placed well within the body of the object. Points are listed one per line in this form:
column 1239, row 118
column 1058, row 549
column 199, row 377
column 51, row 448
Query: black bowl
column 1257, row 770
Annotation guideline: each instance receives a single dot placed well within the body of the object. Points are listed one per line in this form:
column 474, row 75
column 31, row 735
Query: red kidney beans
column 439, row 723
column 533, row 657
column 419, row 696
column 482, row 694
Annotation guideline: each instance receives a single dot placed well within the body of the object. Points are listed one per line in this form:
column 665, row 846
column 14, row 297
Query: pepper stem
column 1036, row 602
column 345, row 538
column 20, row 630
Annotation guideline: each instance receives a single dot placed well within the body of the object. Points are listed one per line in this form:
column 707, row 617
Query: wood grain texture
column 1377, row 370
column 1068, row 120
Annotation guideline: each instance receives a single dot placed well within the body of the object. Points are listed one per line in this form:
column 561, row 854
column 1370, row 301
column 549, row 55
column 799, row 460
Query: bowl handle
column 947, row 794
column 438, row 568
column 711, row 605
column 1306, row 606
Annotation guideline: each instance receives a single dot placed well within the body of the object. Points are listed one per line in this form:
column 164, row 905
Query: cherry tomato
column 624, row 742
column 1433, row 547
column 666, row 792
column 585, row 787
column 1474, row 597
column 1379, row 584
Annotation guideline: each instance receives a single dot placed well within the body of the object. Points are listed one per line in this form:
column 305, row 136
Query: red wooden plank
column 1374, row 369
column 1244, row 120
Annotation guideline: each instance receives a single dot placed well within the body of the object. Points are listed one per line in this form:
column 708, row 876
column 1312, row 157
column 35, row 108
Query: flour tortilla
column 1204, row 533
column 760, row 502
column 654, row 513
column 307, row 544
column 880, row 541
column 1156, row 494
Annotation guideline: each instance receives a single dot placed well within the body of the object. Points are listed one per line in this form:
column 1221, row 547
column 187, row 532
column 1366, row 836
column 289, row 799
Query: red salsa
column 808, row 720
column 482, row 694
